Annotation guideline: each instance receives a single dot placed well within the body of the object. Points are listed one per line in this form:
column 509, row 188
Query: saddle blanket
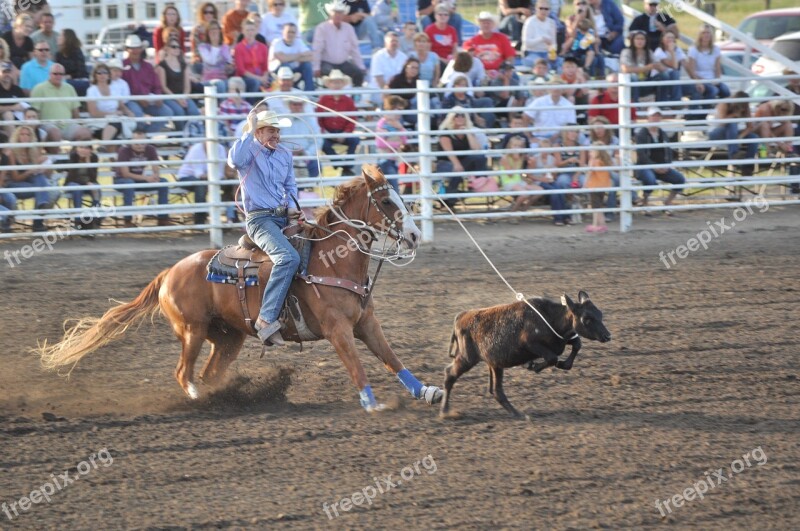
column 223, row 268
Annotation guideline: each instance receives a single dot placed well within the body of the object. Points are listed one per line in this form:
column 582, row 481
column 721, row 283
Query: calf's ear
column 582, row 297
column 566, row 301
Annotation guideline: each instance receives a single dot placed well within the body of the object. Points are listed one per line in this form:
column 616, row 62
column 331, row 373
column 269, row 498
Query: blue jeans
column 266, row 233
column 8, row 202
column 557, row 201
column 178, row 111
column 531, row 57
column 614, row 46
column 511, row 26
column 368, row 29
column 731, row 132
column 486, row 102
column 306, row 73
column 313, row 168
column 389, row 167
column 77, row 198
column 648, row 177
column 43, row 199
column 252, row 85
column 162, row 111
column 564, row 180
column 350, row 142
column 128, row 194
column 668, row 92
column 198, row 186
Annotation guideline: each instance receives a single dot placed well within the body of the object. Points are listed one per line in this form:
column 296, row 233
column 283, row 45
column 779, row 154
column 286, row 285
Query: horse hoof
column 431, row 394
column 191, row 390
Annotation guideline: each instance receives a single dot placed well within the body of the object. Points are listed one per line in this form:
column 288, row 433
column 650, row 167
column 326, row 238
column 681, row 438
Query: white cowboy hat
column 133, row 41
column 268, row 118
column 285, row 72
column 336, row 6
column 337, row 75
column 115, row 63
column 486, row 15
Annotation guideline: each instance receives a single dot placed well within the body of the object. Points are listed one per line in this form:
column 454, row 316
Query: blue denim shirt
column 267, row 175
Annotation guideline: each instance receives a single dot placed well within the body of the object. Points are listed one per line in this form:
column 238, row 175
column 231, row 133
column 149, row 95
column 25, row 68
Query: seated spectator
column 539, row 40
column 507, row 77
column 195, row 169
column 516, row 124
column 779, row 127
column 216, row 59
column 407, row 38
column 232, row 21
column 514, row 13
column 275, row 20
column 426, row 15
column 8, row 201
column 235, row 104
column 37, row 70
column 252, row 60
column 573, row 74
column 255, row 18
column 704, row 62
column 460, row 97
column 671, row 57
column 387, row 62
column 112, row 111
column 83, row 177
column 385, row 14
column 582, row 46
column 5, row 58
column 655, row 153
column 8, row 90
column 598, row 177
column 20, row 45
column 741, row 129
column 170, row 22
column 491, row 47
column 301, row 137
column 464, row 63
column 541, row 69
column 639, row 61
column 547, row 122
column 541, row 159
column 444, row 38
column 38, row 177
column 461, row 136
column 142, row 80
column 654, row 22
column 407, row 79
column 334, row 125
column 609, row 22
column 430, row 68
column 286, row 81
column 47, row 34
column 609, row 98
column 360, row 17
column 173, row 73
column 335, row 46
column 119, row 87
column 291, row 52
column 205, row 14
column 570, row 157
column 72, row 59
column 389, row 146
column 146, row 172
column 64, row 108
column 519, row 181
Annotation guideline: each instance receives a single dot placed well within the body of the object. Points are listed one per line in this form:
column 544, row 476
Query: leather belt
column 280, row 211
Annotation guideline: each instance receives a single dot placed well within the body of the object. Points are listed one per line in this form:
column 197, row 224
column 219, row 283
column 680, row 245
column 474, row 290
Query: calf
column 512, row 334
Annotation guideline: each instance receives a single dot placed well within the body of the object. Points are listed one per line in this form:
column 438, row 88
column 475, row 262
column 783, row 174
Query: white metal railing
column 427, row 179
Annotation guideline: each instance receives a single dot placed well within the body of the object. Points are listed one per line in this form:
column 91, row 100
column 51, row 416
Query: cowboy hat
column 337, row 75
column 133, row 41
column 486, row 15
column 285, row 72
column 115, row 63
column 336, row 6
column 268, row 119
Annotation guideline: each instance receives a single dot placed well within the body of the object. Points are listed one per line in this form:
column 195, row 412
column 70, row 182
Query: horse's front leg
column 370, row 332
column 341, row 337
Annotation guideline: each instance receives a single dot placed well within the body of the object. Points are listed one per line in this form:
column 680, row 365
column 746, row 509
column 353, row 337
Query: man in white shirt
column 286, row 79
column 546, row 120
column 387, row 62
column 292, row 52
column 195, row 168
column 302, row 136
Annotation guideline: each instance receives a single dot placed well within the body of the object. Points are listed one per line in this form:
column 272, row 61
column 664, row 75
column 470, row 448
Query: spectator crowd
column 333, row 45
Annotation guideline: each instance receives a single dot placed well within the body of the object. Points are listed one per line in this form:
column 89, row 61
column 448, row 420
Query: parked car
column 765, row 26
column 786, row 45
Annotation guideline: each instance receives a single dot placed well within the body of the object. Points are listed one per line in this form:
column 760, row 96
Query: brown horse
column 201, row 311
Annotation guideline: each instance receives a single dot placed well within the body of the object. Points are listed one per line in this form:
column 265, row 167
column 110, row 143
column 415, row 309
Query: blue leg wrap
column 410, row 383
column 367, row 398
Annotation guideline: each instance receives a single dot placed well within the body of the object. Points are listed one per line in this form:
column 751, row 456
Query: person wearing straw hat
column 342, row 103
column 286, row 80
column 268, row 184
column 335, row 45
column 490, row 46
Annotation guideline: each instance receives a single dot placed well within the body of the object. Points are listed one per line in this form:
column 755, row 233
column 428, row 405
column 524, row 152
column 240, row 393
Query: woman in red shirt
column 170, row 22
column 444, row 38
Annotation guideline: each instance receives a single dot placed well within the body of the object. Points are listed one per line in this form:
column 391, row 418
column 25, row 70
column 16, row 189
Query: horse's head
column 388, row 213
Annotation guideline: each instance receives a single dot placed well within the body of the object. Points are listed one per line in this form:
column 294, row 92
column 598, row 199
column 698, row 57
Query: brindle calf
column 512, row 334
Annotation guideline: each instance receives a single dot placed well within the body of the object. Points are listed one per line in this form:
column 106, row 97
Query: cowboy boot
column 269, row 333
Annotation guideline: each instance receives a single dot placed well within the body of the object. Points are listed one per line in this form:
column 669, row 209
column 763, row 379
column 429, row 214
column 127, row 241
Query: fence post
column 425, row 158
column 212, row 146
column 625, row 148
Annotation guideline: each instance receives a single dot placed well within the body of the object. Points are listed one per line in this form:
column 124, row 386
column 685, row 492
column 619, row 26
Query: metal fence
column 705, row 163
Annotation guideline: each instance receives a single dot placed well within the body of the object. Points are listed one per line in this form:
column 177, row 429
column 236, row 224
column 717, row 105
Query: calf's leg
column 499, row 395
column 567, row 363
column 452, row 372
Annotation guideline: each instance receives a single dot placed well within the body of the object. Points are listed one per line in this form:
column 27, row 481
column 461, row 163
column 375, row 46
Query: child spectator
column 388, row 146
column 598, row 178
column 336, row 80
column 570, row 157
column 545, row 160
column 460, row 97
column 234, row 104
column 638, row 60
column 517, row 181
column 407, row 38
column 83, row 177
column 583, row 44
column 252, row 60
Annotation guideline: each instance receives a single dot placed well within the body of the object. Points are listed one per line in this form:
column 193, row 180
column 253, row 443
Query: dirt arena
column 702, row 375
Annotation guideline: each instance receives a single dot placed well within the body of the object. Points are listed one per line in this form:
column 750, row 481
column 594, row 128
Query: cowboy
column 491, row 47
column 267, row 179
column 335, row 45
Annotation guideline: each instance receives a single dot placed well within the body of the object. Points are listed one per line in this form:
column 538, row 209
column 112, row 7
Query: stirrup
column 271, row 333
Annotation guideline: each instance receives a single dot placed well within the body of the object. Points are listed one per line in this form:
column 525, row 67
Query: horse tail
column 89, row 334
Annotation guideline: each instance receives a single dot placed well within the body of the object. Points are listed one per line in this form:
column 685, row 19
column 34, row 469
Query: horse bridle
column 393, row 225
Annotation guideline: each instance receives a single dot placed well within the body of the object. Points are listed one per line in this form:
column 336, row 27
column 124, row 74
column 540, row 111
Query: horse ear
column 582, row 296
column 566, row 301
column 367, row 178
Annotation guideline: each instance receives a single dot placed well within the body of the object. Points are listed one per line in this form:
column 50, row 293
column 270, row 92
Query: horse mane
column 323, row 216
